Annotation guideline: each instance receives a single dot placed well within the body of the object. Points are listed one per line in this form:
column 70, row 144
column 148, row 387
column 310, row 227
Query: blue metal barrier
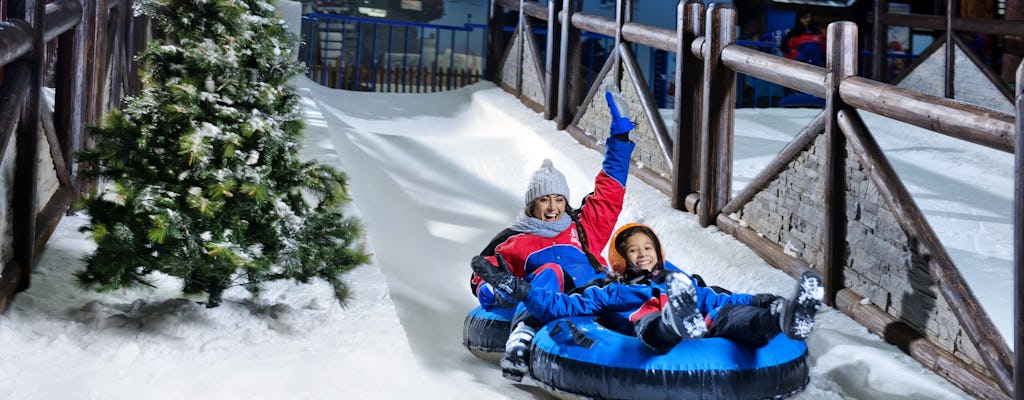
column 357, row 53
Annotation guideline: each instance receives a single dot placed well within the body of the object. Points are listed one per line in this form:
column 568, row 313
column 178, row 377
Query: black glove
column 621, row 125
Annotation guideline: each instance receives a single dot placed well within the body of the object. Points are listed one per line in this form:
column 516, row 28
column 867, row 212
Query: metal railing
column 391, row 56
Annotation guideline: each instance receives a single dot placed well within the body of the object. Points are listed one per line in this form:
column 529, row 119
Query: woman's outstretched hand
column 621, row 125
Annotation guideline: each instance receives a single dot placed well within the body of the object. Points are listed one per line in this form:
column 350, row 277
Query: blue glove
column 620, row 125
column 490, row 298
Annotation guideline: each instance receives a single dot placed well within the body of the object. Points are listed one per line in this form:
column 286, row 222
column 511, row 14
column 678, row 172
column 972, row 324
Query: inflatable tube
column 485, row 332
column 576, row 356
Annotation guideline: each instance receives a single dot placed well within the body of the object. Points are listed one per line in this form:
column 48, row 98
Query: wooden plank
column 650, row 108
column 15, row 40
column 794, row 74
column 879, row 41
column 972, row 317
column 688, row 77
column 592, row 94
column 1018, row 241
column 13, row 93
column 916, row 345
column 719, row 91
column 50, row 215
column 999, row 27
column 59, row 163
column 841, row 61
column 569, row 61
column 778, row 164
column 949, row 117
column 645, row 174
column 552, row 60
column 10, row 282
column 764, row 248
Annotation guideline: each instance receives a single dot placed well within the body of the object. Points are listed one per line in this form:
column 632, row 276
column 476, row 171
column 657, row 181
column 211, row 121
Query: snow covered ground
column 433, row 177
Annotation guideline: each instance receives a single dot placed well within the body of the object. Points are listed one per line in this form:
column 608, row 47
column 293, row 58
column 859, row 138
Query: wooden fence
column 90, row 71
column 692, row 163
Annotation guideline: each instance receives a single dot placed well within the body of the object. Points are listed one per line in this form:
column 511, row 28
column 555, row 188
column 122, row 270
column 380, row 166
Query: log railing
column 698, row 152
column 91, row 61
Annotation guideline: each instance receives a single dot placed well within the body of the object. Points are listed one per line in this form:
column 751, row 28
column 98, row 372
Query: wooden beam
column 717, row 114
column 1018, row 242
column 949, row 117
column 798, row 75
column 569, row 61
column 13, row 92
column 9, row 283
column 879, row 39
column 688, row 78
column 841, row 61
column 552, row 60
column 56, row 153
column 764, row 248
column 778, row 164
column 950, row 66
column 494, row 42
column 993, row 77
column 650, row 108
column 923, row 240
column 998, row 27
column 916, row 345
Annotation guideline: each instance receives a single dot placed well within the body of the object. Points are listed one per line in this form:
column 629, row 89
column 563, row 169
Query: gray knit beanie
column 546, row 180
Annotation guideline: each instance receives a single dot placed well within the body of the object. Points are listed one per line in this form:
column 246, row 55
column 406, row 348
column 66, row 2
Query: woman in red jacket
column 551, row 239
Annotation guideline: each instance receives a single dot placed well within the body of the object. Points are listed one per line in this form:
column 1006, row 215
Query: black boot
column 681, row 314
column 797, row 317
column 516, row 361
column 501, row 277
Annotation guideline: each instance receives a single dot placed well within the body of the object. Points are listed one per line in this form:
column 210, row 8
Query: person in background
column 804, row 41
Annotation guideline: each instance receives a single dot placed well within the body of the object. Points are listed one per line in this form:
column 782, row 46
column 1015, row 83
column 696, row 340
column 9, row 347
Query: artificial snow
column 433, row 178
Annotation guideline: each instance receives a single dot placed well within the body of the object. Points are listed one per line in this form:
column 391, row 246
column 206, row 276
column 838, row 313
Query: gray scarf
column 540, row 228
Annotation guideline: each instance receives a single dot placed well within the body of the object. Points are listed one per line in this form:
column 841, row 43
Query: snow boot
column 681, row 314
column 501, row 277
column 796, row 318
column 516, row 361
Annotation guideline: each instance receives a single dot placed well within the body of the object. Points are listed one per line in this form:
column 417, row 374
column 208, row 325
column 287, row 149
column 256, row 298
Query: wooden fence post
column 950, row 50
column 841, row 61
column 718, row 104
column 687, row 79
column 623, row 14
column 494, row 44
column 552, row 60
column 879, row 47
column 569, row 61
column 25, row 180
column 1018, row 243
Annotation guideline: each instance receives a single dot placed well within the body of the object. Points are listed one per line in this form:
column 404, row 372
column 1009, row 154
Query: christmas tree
column 199, row 176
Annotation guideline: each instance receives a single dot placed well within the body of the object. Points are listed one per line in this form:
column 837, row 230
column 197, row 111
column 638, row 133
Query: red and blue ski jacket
column 527, row 253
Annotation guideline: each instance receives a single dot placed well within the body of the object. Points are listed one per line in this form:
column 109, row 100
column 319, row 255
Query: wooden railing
column 698, row 151
column 90, row 62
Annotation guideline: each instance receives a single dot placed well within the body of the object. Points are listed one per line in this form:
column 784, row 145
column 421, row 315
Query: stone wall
column 879, row 263
column 596, row 119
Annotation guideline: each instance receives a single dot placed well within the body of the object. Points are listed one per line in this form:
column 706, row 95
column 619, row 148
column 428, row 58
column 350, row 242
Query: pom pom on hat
column 546, row 180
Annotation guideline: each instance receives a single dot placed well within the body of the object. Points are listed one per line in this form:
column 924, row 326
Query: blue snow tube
column 579, row 357
column 484, row 332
